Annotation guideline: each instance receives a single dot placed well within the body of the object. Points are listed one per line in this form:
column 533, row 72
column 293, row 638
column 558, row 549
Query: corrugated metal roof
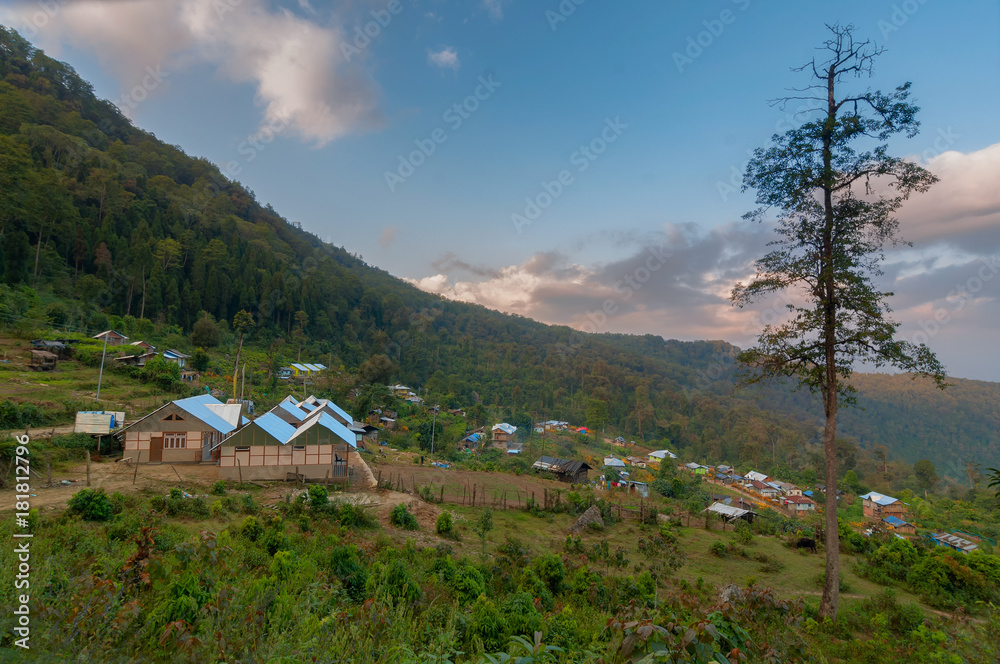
column 300, row 367
column 327, row 421
column 506, row 428
column 895, row 521
column 561, row 466
column 879, row 499
column 275, row 426
column 293, row 410
column 197, row 406
column 728, row 510
column 340, row 411
column 660, row 454
column 614, row 462
column 308, row 406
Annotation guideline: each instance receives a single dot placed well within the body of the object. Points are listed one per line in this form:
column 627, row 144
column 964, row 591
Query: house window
column 174, row 441
column 242, row 449
column 299, row 448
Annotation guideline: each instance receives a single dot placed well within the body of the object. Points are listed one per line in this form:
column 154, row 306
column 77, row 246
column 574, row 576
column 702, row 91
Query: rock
column 592, row 515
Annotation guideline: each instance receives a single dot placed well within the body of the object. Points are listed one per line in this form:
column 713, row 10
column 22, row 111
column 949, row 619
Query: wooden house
column 113, row 338
column 182, row 431
column 574, row 472
column 879, row 506
column 176, row 357
column 503, row 434
column 43, row 360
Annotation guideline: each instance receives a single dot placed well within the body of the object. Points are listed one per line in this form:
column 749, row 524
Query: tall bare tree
column 835, row 190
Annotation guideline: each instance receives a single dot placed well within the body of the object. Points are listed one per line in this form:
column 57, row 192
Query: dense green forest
column 100, row 222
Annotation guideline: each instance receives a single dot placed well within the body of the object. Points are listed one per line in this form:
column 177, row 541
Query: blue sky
column 557, row 81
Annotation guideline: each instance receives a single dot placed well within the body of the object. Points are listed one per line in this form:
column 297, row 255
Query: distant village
column 315, row 440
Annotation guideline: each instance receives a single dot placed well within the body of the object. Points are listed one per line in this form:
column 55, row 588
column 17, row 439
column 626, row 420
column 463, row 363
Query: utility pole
column 100, row 376
column 433, row 427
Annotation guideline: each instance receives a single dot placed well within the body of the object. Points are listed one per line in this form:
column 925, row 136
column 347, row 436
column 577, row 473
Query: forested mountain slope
column 100, row 219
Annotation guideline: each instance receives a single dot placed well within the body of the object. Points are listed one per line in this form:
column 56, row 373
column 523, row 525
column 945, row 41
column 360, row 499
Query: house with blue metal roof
column 182, row 431
column 899, row 526
column 318, row 447
column 878, row 506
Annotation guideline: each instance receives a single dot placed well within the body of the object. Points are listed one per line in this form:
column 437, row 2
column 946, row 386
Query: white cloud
column 495, row 9
column 446, row 58
column 965, row 202
column 298, row 67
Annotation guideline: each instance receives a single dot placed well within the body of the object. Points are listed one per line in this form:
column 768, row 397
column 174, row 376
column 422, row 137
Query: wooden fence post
column 88, row 466
column 442, row 494
column 239, row 469
column 473, row 495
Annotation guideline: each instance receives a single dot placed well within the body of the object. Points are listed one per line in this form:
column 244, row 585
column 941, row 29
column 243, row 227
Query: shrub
column 249, row 506
column 445, row 525
column 550, row 569
column 218, row 489
column 401, row 518
column 319, row 498
column 718, row 549
column 743, row 534
column 91, row 505
column 251, row 529
column 353, row 515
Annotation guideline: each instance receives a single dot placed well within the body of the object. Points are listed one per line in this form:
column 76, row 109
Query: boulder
column 592, row 515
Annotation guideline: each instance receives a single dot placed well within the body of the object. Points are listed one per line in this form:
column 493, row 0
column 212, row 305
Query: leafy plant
column 402, row 518
column 91, row 505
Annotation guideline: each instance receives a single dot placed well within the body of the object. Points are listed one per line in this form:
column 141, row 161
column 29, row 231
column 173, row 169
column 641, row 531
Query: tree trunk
column 38, row 253
column 142, row 309
column 236, row 367
column 831, row 588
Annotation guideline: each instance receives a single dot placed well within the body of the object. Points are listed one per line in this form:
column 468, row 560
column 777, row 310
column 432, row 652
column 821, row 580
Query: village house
column 754, row 476
column 662, row 454
column 638, row 462
column 879, row 506
column 954, row 542
column 798, row 504
column 270, row 448
column 503, row 433
column 145, row 345
column 176, row 357
column 613, row 462
column 618, row 442
column 788, row 489
column 113, row 338
column 302, row 369
column 135, row 360
column 574, row 472
column 898, row 525
column 182, row 431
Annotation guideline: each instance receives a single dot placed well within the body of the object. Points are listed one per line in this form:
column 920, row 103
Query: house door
column 156, row 449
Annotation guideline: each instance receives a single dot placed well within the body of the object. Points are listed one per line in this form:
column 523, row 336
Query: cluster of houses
column 406, row 394
column 312, row 439
column 299, row 370
column 144, row 352
column 785, row 494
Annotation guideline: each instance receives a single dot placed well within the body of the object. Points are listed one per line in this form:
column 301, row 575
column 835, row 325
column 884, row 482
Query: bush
column 319, row 498
column 353, row 515
column 91, row 505
column 743, row 533
column 218, row 489
column 249, row 506
column 445, row 525
column 718, row 549
column 251, row 529
column 401, row 518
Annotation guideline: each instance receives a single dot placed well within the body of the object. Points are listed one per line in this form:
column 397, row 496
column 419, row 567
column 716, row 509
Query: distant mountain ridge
column 100, row 218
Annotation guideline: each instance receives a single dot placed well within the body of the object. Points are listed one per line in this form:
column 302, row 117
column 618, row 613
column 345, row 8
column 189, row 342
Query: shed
column 565, row 471
column 43, row 360
column 730, row 514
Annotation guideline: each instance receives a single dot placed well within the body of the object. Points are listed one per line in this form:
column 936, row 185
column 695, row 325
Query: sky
column 574, row 161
